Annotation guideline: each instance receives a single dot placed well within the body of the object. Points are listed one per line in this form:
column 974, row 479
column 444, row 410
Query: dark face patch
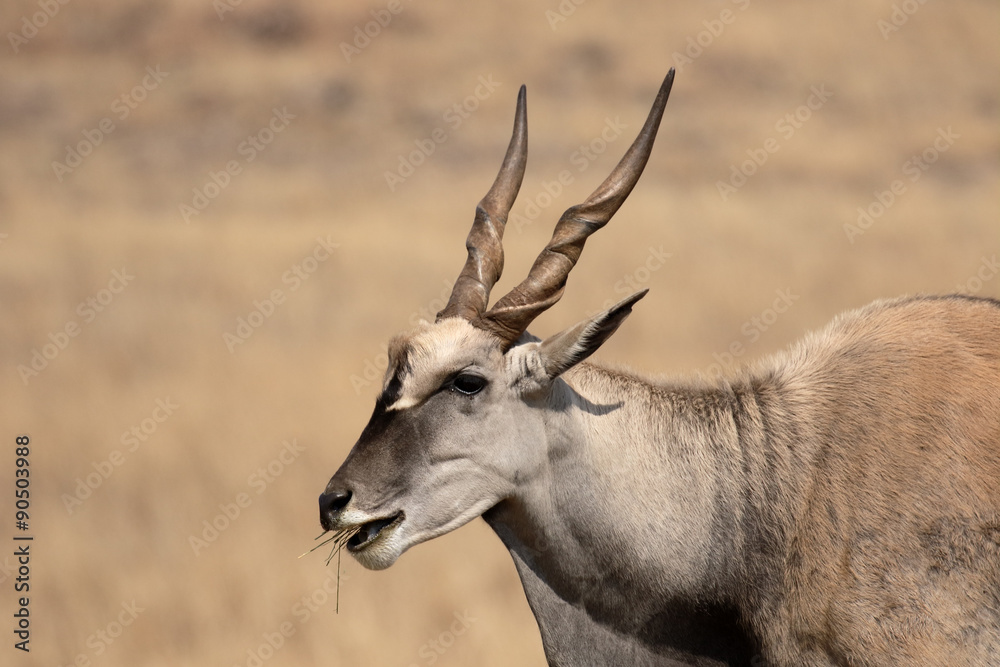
column 398, row 441
column 392, row 391
column 402, row 368
column 384, row 451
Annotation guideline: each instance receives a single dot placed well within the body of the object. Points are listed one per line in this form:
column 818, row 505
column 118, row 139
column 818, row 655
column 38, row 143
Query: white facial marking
column 434, row 354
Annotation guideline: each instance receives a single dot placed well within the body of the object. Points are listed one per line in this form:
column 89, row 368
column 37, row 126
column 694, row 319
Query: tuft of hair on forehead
column 422, row 358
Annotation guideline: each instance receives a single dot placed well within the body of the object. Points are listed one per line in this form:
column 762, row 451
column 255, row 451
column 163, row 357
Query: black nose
column 330, row 504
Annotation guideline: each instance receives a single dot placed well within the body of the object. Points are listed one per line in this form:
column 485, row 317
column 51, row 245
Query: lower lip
column 378, row 536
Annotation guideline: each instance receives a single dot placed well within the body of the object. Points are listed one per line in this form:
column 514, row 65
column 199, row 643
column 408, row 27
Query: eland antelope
column 836, row 504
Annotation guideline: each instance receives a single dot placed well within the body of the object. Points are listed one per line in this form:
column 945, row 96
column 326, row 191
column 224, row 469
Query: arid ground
column 213, row 215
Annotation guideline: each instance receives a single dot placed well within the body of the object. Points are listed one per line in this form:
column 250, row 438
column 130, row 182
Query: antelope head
column 460, row 424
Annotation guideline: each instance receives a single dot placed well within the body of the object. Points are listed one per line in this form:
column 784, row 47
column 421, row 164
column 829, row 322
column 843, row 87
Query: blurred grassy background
column 302, row 374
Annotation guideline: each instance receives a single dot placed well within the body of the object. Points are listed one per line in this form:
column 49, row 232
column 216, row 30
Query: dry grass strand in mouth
column 339, row 539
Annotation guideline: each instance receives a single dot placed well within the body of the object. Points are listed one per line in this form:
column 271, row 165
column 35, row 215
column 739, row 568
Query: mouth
column 369, row 533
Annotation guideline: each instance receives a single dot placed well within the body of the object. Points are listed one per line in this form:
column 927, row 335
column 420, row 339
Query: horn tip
column 638, row 295
column 626, row 304
column 668, row 83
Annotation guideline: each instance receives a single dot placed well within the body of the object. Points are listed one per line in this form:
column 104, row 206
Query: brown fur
column 860, row 472
column 893, row 535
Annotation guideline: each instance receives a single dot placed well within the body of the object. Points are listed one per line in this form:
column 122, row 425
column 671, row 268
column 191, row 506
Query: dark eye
column 468, row 384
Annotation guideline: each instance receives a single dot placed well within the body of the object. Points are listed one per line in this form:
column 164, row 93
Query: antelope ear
column 566, row 349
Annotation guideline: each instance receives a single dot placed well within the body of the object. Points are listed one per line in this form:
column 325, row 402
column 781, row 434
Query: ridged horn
column 483, row 267
column 546, row 280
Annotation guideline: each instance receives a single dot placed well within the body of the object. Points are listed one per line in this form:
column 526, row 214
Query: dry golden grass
column 323, row 176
